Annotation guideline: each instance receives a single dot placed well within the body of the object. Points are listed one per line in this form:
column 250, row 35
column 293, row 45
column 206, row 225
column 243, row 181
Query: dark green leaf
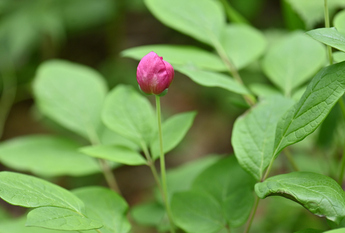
column 201, row 19
column 254, row 133
column 47, row 156
column 149, row 214
column 305, row 116
column 319, row 194
column 72, row 95
column 230, row 186
column 197, row 212
column 179, row 55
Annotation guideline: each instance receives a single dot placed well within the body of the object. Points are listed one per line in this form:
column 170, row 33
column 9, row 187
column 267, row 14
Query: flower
column 154, row 75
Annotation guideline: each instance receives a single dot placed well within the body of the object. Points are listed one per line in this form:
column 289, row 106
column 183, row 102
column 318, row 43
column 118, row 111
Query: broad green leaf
column 105, row 206
column 148, row 214
column 339, row 56
column 118, row 154
column 60, row 219
column 254, row 133
column 329, row 36
column 129, row 114
column 230, row 186
column 32, row 192
column 46, row 155
column 201, row 19
column 319, row 194
column 293, row 60
column 339, row 22
column 179, row 55
column 312, row 12
column 304, row 117
column 181, row 178
column 197, row 212
column 18, row 226
column 340, row 230
column 213, row 79
column 261, row 89
column 109, row 137
column 243, row 44
column 174, row 129
column 70, row 94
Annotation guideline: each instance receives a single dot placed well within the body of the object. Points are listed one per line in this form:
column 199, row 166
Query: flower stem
column 162, row 163
column 342, row 168
column 327, row 25
column 252, row 214
column 109, row 176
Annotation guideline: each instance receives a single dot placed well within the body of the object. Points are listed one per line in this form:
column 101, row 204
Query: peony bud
column 154, row 75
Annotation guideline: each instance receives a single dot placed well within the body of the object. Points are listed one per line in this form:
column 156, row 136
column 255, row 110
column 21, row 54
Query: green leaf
column 304, row 117
column 148, row 214
column 197, row 212
column 107, row 207
column 118, row 154
column 179, row 55
column 338, row 56
column 129, row 114
column 174, row 129
column 32, row 192
column 60, row 219
column 319, row 194
column 329, row 36
column 261, row 89
column 70, row 94
column 46, row 155
column 18, row 226
column 201, row 19
column 213, row 79
column 312, row 12
column 309, row 230
column 340, row 230
column 293, row 60
column 254, row 133
column 243, row 44
column 339, row 22
column 234, row 195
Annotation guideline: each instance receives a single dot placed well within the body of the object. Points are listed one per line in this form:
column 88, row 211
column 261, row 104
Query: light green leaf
column 293, row 60
column 197, row 212
column 243, row 44
column 254, row 132
column 179, row 55
column 174, row 129
column 312, row 12
column 340, row 230
column 329, row 36
column 70, row 94
column 261, row 89
column 129, row 114
column 46, row 155
column 213, row 79
column 319, row 194
column 60, row 219
column 339, row 56
column 107, row 207
column 18, row 226
column 304, row 117
column 201, row 19
column 32, row 192
column 339, row 22
column 148, row 214
column 118, row 154
column 234, row 195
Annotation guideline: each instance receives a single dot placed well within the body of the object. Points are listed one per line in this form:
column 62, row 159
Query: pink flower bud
column 154, row 75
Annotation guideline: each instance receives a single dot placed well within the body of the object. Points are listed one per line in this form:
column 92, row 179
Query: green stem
column 9, row 89
column 232, row 69
column 342, row 169
column 327, row 25
column 232, row 14
column 252, row 214
column 109, row 176
column 162, row 163
column 290, row 158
